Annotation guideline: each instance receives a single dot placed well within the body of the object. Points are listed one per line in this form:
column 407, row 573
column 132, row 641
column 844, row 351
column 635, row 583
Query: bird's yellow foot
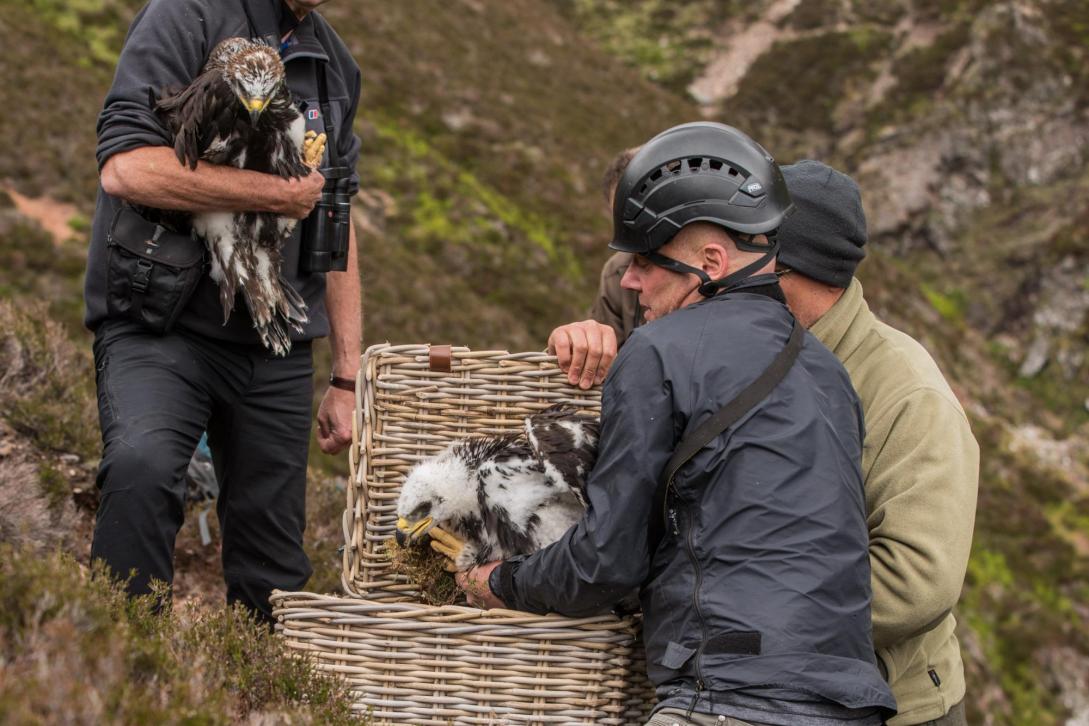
column 448, row 545
column 313, row 149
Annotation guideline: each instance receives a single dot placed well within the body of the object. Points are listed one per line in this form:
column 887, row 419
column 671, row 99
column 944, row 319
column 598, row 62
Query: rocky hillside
column 486, row 126
column 966, row 124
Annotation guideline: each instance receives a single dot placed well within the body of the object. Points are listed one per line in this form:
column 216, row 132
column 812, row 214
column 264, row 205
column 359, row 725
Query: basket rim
column 284, row 599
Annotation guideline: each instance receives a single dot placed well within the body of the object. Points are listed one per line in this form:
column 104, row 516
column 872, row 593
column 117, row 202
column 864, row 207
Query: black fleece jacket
column 167, row 45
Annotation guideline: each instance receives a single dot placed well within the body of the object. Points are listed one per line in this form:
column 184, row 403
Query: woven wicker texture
column 421, row 664
column 410, row 412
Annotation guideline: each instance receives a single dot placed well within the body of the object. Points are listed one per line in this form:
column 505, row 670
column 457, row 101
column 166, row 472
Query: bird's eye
column 422, row 511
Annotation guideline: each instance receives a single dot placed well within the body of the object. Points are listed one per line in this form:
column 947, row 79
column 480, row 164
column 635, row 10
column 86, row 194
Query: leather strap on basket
column 710, row 429
column 440, row 358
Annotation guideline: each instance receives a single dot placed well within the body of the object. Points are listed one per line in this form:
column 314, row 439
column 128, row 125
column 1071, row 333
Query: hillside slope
column 966, row 124
column 486, row 125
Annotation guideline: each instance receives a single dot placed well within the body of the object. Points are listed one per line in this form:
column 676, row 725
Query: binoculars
column 325, row 231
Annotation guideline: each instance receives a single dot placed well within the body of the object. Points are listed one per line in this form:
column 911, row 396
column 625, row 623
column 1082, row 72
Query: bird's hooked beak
column 255, row 106
column 411, row 531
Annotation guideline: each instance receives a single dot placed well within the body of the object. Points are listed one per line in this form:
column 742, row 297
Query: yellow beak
column 412, row 530
column 255, row 106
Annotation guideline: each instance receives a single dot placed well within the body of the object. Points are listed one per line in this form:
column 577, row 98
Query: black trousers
column 156, row 395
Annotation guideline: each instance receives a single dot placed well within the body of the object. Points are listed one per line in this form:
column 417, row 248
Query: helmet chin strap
column 707, row 286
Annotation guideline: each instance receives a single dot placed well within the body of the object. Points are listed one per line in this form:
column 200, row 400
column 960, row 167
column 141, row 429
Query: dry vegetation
column 74, row 650
column 484, row 134
column 425, row 569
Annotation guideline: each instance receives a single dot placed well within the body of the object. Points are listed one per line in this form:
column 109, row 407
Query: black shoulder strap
column 326, row 116
column 706, row 432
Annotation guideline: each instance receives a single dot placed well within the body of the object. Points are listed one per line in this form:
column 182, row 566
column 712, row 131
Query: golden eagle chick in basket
column 501, row 496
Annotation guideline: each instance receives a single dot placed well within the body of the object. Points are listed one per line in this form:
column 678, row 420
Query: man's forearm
column 344, row 303
column 152, row 176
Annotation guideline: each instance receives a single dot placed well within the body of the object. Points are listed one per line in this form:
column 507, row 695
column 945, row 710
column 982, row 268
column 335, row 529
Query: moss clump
column 426, row 569
column 98, row 24
column 667, row 41
column 950, row 306
column 75, row 650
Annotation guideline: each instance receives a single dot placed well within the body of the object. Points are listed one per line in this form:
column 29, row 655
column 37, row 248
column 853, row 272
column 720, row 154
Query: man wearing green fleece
column 920, row 462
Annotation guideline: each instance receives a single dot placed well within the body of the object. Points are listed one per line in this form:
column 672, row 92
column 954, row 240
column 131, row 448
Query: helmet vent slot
column 695, row 164
column 673, row 167
column 716, row 164
column 734, row 172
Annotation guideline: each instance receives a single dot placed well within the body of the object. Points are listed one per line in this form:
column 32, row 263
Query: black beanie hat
column 823, row 239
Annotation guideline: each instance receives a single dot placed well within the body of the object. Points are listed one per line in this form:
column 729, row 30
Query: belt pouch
column 152, row 271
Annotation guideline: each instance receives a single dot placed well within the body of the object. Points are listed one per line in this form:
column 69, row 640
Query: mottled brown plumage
column 238, row 112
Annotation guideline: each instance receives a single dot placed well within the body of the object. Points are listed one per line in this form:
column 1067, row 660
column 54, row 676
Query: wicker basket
column 422, row 664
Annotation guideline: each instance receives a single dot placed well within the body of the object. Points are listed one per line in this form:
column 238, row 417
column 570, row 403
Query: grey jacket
column 167, row 45
column 763, row 584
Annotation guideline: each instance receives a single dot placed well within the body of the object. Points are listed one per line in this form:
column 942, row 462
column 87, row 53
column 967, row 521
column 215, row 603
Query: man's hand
column 335, row 420
column 584, row 351
column 474, row 582
column 300, row 195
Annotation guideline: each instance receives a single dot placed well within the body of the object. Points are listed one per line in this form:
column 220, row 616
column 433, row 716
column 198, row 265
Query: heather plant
column 75, row 650
column 45, row 381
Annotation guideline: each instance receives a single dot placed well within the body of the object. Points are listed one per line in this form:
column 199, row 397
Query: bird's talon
column 313, row 149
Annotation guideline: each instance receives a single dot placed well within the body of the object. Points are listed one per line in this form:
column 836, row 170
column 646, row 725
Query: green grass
column 950, row 306
column 667, row 41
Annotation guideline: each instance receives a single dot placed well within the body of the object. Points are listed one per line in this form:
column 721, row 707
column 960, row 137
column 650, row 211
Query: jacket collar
column 304, row 42
column 846, row 324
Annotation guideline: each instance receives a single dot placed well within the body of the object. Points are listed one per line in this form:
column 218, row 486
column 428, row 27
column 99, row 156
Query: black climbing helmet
column 698, row 172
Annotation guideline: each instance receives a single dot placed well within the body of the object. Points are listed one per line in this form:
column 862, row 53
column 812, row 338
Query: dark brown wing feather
column 565, row 442
column 190, row 114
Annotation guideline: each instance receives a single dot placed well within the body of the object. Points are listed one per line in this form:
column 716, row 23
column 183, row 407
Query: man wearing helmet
column 751, row 550
column 920, row 465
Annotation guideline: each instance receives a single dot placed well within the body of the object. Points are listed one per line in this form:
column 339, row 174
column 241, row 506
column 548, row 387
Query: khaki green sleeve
column 608, row 307
column 921, row 486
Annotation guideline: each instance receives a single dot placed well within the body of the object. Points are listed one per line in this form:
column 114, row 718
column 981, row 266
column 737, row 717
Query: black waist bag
column 152, row 271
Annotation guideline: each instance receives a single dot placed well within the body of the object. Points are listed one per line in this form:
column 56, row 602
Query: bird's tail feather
column 274, row 312
column 224, row 273
column 268, row 323
column 292, row 307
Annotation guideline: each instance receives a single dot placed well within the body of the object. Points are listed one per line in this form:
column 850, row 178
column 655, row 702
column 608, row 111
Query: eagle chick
column 503, row 495
column 239, row 112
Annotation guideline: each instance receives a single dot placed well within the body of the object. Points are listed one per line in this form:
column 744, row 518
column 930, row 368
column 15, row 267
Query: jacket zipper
column 699, row 611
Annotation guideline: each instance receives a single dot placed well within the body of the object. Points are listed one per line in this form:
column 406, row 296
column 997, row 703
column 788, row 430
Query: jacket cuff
column 501, row 582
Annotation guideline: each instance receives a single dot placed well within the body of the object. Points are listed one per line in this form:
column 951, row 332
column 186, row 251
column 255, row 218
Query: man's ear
column 715, row 260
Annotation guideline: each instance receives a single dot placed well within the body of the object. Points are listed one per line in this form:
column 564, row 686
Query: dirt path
column 724, row 73
column 52, row 215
